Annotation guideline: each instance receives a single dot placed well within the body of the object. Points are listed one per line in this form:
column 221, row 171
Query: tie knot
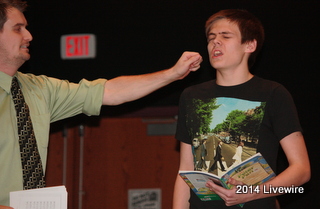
column 14, row 81
column 14, row 85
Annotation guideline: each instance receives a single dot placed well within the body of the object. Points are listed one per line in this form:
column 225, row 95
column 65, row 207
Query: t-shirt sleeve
column 182, row 130
column 284, row 115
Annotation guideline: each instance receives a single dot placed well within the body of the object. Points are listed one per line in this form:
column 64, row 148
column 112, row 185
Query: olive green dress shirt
column 49, row 100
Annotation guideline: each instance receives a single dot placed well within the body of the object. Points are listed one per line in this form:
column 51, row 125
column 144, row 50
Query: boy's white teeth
column 217, row 53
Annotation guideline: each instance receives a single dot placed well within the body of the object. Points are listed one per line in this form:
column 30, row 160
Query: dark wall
column 137, row 37
column 144, row 36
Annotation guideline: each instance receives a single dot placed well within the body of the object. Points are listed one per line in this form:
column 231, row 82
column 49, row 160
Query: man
column 238, row 155
column 51, row 99
column 202, row 163
column 217, row 158
column 234, row 39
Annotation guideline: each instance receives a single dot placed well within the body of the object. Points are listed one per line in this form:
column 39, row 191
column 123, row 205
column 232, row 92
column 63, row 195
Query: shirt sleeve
column 285, row 118
column 62, row 99
column 69, row 99
column 182, row 133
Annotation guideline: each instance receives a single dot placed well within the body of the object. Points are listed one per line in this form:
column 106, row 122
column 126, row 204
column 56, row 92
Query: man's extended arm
column 128, row 88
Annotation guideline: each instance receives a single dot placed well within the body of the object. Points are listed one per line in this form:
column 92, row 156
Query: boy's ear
column 251, row 46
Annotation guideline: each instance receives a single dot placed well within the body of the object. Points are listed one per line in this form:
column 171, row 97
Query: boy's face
column 224, row 46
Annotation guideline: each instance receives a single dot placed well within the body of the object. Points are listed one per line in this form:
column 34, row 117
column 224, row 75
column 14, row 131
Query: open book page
column 196, row 180
column 253, row 171
column 43, row 198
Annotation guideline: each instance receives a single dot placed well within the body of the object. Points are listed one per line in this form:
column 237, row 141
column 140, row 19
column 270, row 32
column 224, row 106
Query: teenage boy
column 234, row 39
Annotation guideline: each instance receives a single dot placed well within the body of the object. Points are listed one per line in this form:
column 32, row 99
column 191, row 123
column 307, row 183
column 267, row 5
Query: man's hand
column 189, row 61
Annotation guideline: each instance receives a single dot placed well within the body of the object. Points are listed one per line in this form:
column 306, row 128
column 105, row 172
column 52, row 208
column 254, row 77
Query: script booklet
column 253, row 171
column 43, row 198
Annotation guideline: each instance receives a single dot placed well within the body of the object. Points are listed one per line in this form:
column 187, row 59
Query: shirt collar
column 5, row 81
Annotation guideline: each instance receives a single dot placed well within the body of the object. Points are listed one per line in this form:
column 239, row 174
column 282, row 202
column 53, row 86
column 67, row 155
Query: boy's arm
column 181, row 192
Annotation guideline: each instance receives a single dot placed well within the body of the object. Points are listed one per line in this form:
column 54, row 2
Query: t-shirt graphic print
column 225, row 132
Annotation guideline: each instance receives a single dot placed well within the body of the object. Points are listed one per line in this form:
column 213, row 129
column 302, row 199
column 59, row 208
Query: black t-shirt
column 258, row 112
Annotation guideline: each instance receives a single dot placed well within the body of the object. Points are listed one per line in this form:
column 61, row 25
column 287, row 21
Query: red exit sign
column 78, row 46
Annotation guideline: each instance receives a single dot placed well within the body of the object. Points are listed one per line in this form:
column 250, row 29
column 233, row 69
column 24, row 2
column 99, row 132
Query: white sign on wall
column 144, row 199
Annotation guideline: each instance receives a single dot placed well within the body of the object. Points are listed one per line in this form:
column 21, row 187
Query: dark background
column 142, row 36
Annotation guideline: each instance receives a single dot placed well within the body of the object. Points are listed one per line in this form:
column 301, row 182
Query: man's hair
column 250, row 27
column 7, row 4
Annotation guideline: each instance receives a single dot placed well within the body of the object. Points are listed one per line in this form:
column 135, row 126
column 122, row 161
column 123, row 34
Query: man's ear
column 251, row 46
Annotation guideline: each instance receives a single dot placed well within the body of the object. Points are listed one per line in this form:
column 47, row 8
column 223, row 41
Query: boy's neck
column 232, row 78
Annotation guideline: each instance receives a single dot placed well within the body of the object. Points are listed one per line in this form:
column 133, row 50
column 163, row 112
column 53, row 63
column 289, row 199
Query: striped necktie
column 33, row 175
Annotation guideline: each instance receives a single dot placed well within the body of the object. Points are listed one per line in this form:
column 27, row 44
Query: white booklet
column 43, row 198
